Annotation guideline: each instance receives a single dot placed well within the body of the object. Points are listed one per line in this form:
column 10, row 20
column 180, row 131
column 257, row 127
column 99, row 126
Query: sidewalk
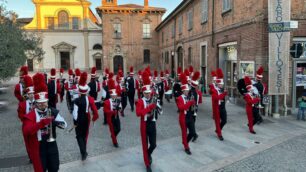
column 208, row 153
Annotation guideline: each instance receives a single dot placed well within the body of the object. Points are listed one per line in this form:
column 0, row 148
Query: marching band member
column 26, row 106
column 167, row 85
column 39, row 126
column 177, row 85
column 186, row 120
column 61, row 81
column 161, row 88
column 111, row 109
column 194, row 94
column 69, row 86
column 251, row 103
column 19, row 88
column 94, row 85
column 139, row 91
column 260, row 89
column 81, row 115
column 122, row 91
column 212, row 88
column 132, row 85
column 148, row 109
column 54, row 89
column 218, row 100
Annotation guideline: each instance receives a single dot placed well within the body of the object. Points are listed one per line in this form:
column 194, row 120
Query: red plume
column 260, row 70
column 183, row 79
column 186, row 72
column 120, row 73
column 53, row 72
column 28, row 82
column 213, row 74
column 38, row 78
column 219, row 73
column 247, row 81
column 62, row 70
column 179, row 70
column 106, row 70
column 39, row 83
column 155, row 74
column 111, row 75
column 70, row 72
column 196, row 76
column 161, row 74
column 131, row 69
column 167, row 71
column 111, row 84
column 93, row 70
column 77, row 72
column 83, row 79
column 145, row 78
column 139, row 72
column 190, row 69
column 24, row 70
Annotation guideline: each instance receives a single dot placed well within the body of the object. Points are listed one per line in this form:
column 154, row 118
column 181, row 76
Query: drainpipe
column 213, row 25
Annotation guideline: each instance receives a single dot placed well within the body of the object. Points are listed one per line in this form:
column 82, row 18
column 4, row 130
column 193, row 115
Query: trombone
column 51, row 138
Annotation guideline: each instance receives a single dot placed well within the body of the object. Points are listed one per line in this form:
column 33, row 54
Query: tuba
column 51, row 138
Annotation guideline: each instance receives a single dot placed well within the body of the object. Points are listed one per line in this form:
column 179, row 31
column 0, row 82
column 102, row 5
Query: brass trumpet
column 51, row 138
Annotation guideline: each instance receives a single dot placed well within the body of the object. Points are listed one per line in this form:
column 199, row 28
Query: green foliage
column 15, row 44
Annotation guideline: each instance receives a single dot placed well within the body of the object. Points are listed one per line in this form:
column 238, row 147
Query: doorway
column 65, row 60
column 98, row 63
column 118, row 64
column 30, row 65
column 180, row 57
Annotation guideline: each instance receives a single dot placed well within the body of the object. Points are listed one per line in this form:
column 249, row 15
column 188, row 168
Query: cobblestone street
column 277, row 146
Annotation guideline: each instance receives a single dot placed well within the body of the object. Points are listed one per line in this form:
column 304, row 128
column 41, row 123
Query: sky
column 25, row 8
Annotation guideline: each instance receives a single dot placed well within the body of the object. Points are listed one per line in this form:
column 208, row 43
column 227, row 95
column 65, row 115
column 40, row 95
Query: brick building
column 129, row 38
column 230, row 34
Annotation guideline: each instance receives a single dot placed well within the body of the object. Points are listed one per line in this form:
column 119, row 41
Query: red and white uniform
column 250, row 101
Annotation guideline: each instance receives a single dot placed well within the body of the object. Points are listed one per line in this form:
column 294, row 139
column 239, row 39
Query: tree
column 16, row 45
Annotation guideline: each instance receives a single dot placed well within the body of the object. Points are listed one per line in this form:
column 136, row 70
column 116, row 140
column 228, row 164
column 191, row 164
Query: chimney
column 146, row 3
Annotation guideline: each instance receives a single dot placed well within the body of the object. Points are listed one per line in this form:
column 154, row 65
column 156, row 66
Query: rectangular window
column 226, row 6
column 190, row 19
column 203, row 56
column 173, row 30
column 75, row 23
column 189, row 55
column 167, row 57
column 163, row 37
column 50, row 23
column 117, row 30
column 204, row 11
column 146, row 56
column 146, row 30
column 180, row 25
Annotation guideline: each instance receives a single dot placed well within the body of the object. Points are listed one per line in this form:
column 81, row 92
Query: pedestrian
column 302, row 107
column 39, row 126
column 81, row 115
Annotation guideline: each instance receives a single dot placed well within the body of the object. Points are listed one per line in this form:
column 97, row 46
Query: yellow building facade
column 72, row 37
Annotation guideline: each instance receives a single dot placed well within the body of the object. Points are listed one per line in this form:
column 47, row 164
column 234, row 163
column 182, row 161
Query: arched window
column 97, row 47
column 63, row 20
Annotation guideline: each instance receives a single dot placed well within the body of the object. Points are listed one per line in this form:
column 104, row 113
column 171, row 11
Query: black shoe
column 149, row 169
column 150, row 159
column 195, row 138
column 30, row 161
column 221, row 138
column 188, row 151
column 104, row 123
column 253, row 132
column 84, row 156
column 116, row 145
